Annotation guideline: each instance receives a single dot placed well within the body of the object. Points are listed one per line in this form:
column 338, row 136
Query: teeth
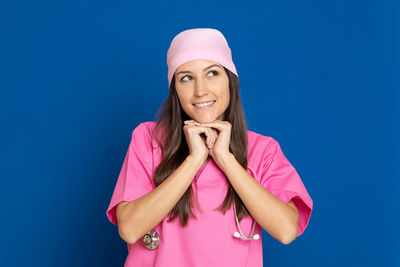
column 204, row 104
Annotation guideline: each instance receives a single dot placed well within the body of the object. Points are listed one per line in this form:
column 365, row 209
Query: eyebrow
column 186, row 71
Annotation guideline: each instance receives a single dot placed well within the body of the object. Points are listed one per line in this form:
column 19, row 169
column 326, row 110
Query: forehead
column 197, row 64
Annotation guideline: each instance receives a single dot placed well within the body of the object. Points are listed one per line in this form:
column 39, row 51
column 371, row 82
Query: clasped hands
column 218, row 142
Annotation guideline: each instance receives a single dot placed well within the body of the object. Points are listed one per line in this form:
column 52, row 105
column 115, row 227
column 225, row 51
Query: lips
column 204, row 102
column 205, row 106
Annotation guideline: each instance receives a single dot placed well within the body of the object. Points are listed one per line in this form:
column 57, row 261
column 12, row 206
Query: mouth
column 205, row 105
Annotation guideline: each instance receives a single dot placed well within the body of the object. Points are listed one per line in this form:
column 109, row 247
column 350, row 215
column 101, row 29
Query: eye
column 184, row 77
column 216, row 72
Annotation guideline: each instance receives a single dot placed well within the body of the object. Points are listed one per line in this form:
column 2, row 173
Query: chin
column 203, row 120
column 206, row 118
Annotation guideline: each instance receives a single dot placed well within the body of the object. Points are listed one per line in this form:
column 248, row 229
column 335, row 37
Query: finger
column 215, row 136
column 198, row 129
column 217, row 125
column 210, row 136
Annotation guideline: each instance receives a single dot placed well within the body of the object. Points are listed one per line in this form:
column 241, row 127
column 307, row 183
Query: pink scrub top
column 209, row 240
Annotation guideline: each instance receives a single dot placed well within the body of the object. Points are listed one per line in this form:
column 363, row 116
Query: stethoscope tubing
column 241, row 235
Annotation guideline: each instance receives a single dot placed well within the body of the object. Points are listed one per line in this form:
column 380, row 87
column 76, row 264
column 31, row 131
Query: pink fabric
column 207, row 241
column 200, row 43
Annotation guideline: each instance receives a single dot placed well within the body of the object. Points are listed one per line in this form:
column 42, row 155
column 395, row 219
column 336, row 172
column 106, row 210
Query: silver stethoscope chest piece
column 151, row 240
column 241, row 235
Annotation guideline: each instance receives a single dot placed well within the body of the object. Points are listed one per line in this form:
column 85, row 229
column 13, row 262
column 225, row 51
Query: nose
column 201, row 87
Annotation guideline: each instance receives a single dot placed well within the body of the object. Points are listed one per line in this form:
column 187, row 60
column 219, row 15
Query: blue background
column 77, row 77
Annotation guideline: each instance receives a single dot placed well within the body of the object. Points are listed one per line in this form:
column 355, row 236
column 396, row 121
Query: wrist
column 224, row 159
column 196, row 159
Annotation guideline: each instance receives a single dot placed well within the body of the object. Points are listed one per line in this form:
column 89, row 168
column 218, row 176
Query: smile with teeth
column 205, row 104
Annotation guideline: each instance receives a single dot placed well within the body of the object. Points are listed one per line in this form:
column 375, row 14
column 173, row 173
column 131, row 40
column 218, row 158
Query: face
column 201, row 81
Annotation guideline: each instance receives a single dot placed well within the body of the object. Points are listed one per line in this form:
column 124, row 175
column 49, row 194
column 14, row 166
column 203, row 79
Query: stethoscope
column 152, row 239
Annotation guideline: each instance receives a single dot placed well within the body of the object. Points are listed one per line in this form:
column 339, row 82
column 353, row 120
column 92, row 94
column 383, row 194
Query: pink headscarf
column 199, row 43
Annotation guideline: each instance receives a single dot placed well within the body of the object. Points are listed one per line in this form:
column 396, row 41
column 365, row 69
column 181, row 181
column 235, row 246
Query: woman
column 199, row 163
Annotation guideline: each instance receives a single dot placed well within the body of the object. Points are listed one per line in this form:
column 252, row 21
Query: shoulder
column 145, row 126
column 260, row 150
column 143, row 129
column 142, row 134
column 260, row 142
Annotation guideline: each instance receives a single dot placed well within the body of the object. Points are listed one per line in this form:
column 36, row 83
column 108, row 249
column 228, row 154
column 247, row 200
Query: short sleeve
column 281, row 179
column 135, row 177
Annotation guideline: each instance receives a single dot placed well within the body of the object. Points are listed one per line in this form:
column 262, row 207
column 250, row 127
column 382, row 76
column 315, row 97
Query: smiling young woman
column 201, row 164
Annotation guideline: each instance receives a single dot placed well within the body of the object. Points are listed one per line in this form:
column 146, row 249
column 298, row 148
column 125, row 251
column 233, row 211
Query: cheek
column 183, row 97
column 224, row 92
column 226, row 97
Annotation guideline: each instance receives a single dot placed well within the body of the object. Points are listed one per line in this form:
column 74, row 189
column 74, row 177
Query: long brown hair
column 174, row 147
